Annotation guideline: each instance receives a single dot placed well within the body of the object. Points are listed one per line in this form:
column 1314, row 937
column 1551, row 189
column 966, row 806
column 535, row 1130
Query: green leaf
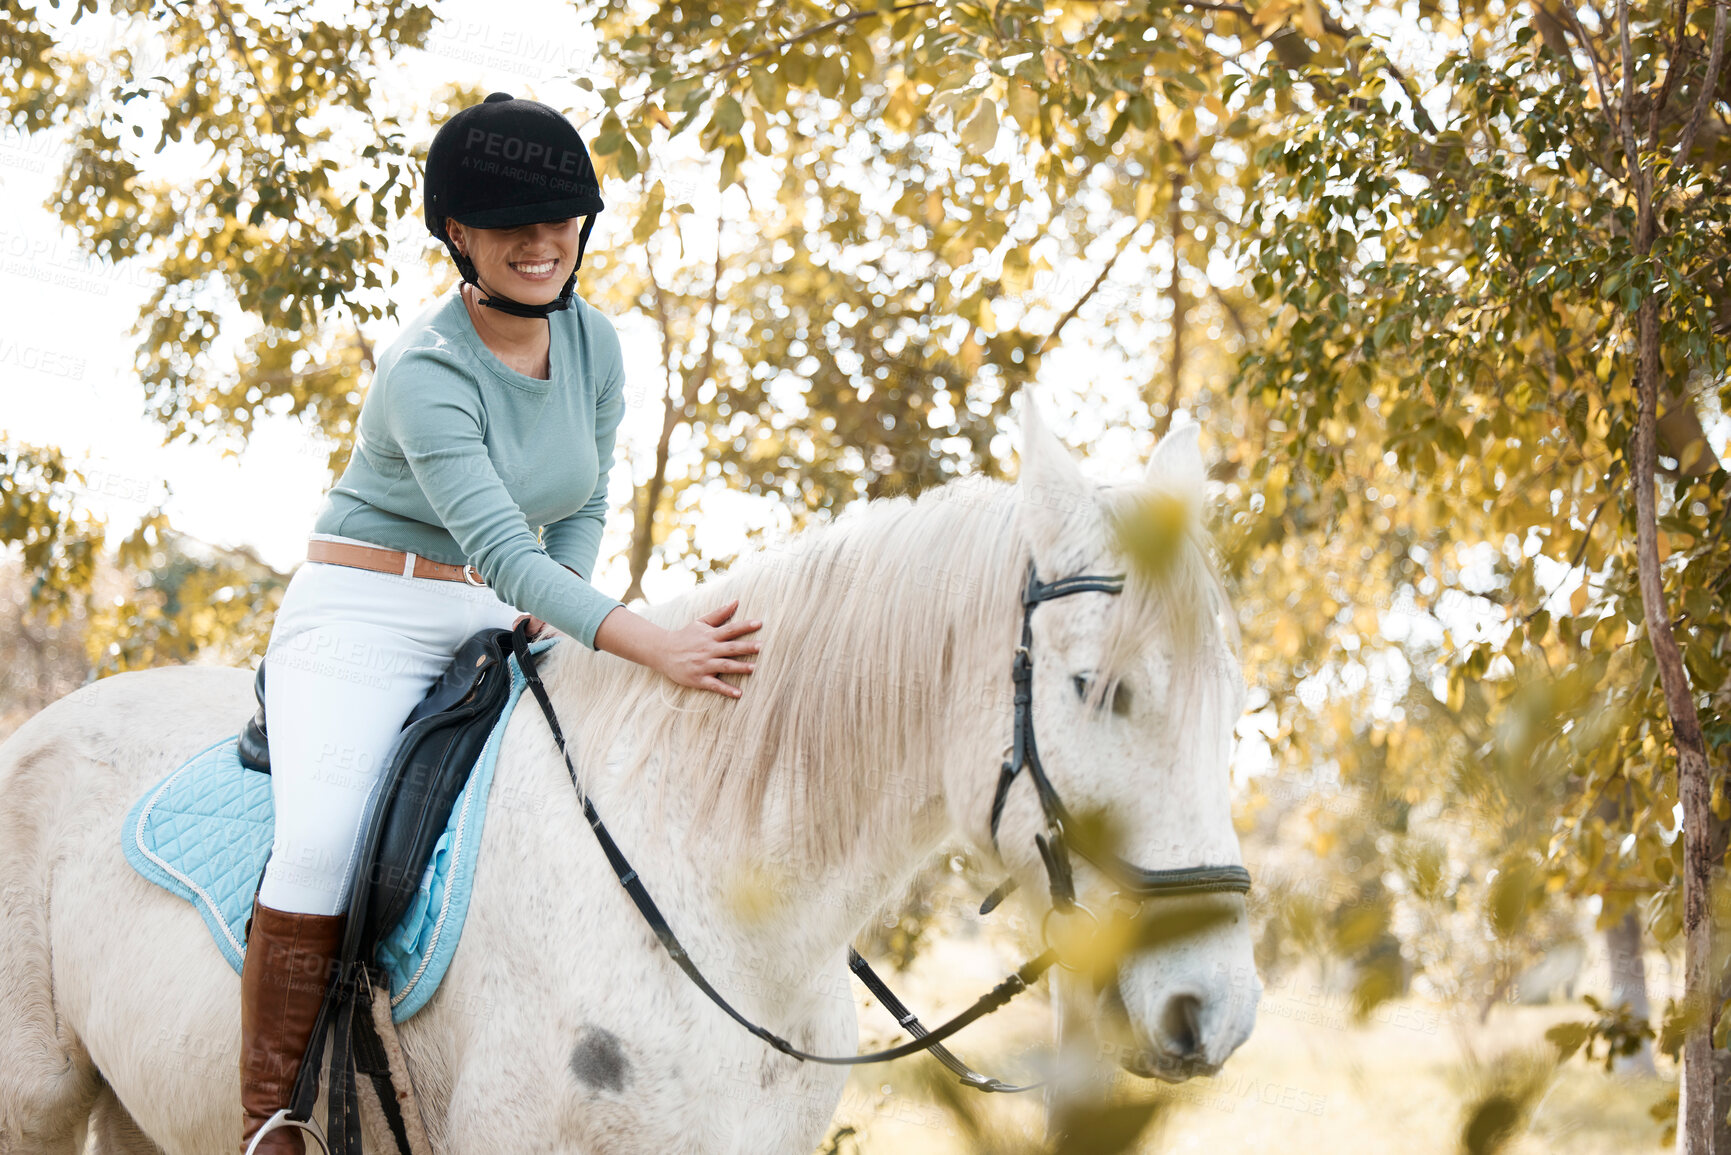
column 729, row 116
column 1569, row 1038
column 980, row 133
column 830, row 76
column 650, row 219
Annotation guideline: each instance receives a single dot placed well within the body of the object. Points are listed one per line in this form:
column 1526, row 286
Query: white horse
column 768, row 829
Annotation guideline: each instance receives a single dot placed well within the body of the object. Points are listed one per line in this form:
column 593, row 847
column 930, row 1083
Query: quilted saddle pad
column 204, row 833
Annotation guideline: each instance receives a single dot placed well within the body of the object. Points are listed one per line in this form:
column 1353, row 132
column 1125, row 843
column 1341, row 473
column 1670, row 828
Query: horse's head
column 1134, row 698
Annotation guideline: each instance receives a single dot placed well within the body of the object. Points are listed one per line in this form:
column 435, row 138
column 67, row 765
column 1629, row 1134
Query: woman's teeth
column 533, row 268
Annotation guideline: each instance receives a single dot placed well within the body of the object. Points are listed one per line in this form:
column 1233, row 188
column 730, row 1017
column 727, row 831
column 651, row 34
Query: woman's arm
column 439, row 427
column 693, row 656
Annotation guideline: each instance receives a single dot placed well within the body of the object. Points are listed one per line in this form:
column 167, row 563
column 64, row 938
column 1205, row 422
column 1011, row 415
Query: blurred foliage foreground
column 1455, row 327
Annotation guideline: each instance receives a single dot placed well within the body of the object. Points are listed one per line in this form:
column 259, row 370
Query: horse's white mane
column 875, row 628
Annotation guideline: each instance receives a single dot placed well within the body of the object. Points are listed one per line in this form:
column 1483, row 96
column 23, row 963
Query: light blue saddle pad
column 204, row 833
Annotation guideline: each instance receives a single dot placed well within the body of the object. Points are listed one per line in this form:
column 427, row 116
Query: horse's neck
column 778, row 901
column 787, row 890
column 767, row 903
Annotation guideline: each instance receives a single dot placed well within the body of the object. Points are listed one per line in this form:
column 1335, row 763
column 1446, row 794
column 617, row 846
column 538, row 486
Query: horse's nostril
column 1181, row 1023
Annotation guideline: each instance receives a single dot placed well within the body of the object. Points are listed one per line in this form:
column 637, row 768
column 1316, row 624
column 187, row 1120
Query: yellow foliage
column 1024, row 104
column 903, row 107
column 1273, row 15
column 754, row 892
column 987, row 319
column 1145, row 200
column 1152, row 534
column 980, row 132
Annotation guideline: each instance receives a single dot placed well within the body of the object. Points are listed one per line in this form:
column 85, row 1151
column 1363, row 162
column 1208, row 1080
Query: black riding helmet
column 507, row 162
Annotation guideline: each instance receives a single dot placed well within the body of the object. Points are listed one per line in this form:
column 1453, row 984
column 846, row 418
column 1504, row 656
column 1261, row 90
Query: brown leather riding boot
column 288, row 963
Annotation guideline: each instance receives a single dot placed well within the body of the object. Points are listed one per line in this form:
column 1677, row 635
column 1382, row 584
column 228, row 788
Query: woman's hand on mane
column 694, row 655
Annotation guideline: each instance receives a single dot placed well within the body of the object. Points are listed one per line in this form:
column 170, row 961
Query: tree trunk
column 643, row 528
column 1175, row 370
column 1629, row 986
column 1702, row 1108
column 674, row 405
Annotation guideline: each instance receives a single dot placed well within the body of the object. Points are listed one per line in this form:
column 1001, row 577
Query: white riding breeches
column 352, row 653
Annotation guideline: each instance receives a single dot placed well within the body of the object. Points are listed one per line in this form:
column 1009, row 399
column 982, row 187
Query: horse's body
column 557, row 983
column 561, row 1025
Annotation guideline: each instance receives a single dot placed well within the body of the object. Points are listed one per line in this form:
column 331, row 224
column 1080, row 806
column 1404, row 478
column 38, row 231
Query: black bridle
column 1134, row 882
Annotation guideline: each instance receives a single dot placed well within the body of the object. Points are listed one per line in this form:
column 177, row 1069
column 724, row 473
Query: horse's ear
column 1050, row 488
column 1176, row 463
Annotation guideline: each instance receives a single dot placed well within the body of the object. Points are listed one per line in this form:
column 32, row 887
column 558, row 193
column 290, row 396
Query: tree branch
column 234, row 40
column 1123, row 246
column 1175, row 226
column 1345, row 32
column 672, row 409
column 1599, row 78
column 1709, row 83
column 815, row 30
column 1419, row 115
column 1679, row 54
column 1232, row 311
column 1637, row 173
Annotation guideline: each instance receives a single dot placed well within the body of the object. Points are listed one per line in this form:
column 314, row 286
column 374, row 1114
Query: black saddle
column 425, row 771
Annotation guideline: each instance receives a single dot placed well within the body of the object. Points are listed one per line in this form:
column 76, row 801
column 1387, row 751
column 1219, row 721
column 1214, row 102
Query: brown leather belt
column 382, row 560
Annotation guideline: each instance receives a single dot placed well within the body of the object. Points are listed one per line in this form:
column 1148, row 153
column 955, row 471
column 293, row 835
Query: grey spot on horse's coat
column 599, row 1060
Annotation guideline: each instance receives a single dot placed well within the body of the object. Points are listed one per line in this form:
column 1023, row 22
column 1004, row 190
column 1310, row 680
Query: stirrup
column 283, row 1119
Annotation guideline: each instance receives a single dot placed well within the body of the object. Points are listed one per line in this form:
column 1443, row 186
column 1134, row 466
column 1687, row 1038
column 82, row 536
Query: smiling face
column 1135, row 697
column 530, row 263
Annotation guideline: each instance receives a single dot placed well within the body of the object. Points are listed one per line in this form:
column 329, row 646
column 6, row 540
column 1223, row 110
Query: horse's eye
column 1121, row 695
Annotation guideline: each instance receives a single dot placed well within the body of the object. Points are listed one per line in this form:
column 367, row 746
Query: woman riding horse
column 493, row 413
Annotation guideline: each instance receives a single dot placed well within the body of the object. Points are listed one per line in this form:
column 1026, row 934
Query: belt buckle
column 470, row 576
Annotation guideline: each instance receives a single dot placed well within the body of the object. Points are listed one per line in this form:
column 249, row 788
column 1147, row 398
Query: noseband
column 1134, row 883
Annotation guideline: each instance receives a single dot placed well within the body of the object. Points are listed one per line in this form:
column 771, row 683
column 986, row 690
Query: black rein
column 923, row 1040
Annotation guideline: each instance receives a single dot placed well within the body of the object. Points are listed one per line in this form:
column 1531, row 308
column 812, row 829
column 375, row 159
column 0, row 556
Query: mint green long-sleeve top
column 460, row 458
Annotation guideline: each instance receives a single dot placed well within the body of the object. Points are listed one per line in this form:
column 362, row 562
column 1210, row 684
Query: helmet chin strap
column 519, row 309
column 466, row 269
